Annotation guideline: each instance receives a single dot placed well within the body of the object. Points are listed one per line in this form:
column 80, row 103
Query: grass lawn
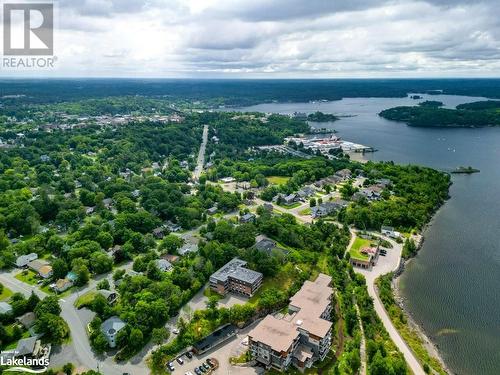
column 28, row 277
column 85, row 298
column 48, row 290
column 6, row 293
column 305, row 211
column 356, row 247
column 282, row 281
column 290, row 206
column 278, row 180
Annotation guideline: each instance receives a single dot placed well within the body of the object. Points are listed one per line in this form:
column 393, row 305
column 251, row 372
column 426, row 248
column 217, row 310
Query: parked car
column 205, row 366
column 197, row 371
column 180, row 361
column 175, row 331
column 189, row 355
column 202, row 369
column 170, row 366
column 210, row 363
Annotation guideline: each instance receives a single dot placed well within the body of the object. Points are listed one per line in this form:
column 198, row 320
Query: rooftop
column 310, row 301
column 277, row 333
column 236, row 269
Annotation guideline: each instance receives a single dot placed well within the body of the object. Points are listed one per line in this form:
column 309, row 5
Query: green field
column 85, row 299
column 306, row 211
column 356, row 247
column 6, row 293
column 28, row 277
column 290, row 206
column 278, row 180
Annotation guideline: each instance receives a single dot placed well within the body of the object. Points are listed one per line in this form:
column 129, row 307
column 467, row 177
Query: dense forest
column 430, row 114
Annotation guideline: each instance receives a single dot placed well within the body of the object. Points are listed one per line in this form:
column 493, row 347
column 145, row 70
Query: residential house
column 267, row 245
column 212, row 210
column 172, row 227
column 188, row 248
column 306, row 192
column 27, row 320
column 110, row 329
column 302, row 336
column 109, row 295
column 23, row 260
column 227, row 180
column 30, row 347
column 42, row 267
column 5, row 308
column 164, row 265
column 159, row 232
column 107, row 202
column 344, row 174
column 327, row 208
column 234, row 277
column 268, row 207
column 390, row 232
column 371, row 255
column 61, row 285
column 247, row 218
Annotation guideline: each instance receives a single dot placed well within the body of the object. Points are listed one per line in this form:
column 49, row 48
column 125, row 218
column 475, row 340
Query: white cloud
column 284, row 38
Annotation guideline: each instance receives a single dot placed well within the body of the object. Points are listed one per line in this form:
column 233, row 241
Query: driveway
column 222, row 353
column 385, row 265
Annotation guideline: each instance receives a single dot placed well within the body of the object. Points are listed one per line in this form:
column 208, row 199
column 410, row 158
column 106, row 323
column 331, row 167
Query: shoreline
column 429, row 345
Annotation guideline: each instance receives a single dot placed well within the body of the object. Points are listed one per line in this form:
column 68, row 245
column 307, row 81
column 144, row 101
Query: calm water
column 452, row 287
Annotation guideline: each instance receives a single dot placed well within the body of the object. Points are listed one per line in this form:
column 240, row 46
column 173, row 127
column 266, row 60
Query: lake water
column 452, row 287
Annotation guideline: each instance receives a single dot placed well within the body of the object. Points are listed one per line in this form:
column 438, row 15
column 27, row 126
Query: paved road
column 201, row 155
column 385, row 265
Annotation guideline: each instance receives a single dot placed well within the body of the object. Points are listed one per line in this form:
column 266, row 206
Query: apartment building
column 234, row 277
column 301, row 337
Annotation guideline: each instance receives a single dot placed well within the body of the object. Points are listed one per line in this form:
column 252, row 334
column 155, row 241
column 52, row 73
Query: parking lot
column 221, row 353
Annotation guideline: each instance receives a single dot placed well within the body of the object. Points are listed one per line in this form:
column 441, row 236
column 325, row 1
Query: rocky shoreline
column 429, row 345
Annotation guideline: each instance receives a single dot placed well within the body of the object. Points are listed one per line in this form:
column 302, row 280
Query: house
column 302, row 336
column 306, row 192
column 188, row 248
column 30, row 346
column 42, row 267
column 227, row 180
column 164, row 265
column 264, row 243
column 268, row 207
column 159, row 232
column 109, row 295
column 327, row 208
column 5, row 308
column 369, row 260
column 247, row 218
column 170, row 257
column 23, row 260
column 89, row 210
column 136, row 193
column 61, row 285
column 72, row 276
column 268, row 246
column 234, row 277
column 27, row 320
column 107, row 202
column 390, row 232
column 344, row 174
column 212, row 210
column 110, row 329
column 172, row 227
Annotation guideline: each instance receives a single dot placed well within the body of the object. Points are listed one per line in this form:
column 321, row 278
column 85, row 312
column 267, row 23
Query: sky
column 275, row 39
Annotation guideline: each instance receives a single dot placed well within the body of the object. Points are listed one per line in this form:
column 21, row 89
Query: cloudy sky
column 280, row 38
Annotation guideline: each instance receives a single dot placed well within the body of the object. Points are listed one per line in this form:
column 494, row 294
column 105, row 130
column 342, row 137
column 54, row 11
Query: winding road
column 387, row 264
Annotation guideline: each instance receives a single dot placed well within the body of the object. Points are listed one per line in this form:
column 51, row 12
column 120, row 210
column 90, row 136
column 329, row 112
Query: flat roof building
column 236, row 278
column 301, row 337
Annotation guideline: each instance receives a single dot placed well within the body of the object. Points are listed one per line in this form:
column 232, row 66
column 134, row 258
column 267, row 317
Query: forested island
column 322, row 117
column 430, row 114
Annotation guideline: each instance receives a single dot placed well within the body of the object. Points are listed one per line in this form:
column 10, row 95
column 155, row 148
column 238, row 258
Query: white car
column 175, row 331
